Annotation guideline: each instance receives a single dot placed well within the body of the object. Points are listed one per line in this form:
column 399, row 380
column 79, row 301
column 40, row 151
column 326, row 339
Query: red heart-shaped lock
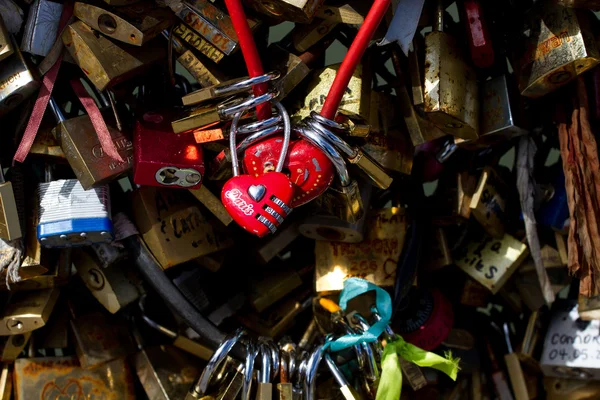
column 258, row 204
column 311, row 172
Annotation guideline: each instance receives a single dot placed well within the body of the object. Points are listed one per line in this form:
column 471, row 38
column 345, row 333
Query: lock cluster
column 299, row 199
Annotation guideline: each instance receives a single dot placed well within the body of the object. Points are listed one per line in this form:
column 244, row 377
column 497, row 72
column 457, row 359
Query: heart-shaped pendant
column 258, row 204
column 309, row 169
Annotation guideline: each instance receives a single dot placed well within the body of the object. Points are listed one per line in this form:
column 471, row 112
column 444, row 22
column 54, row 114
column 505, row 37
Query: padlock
column 305, row 36
column 453, row 197
column 489, row 202
column 391, row 149
column 114, row 286
column 46, row 145
column 374, row 259
column 41, row 27
column 301, row 11
column 84, row 152
column 191, row 37
column 438, row 256
column 134, row 24
column 57, row 275
column 165, row 159
column 212, row 203
column 270, row 193
column 17, row 81
column 562, row 388
column 271, row 286
column 175, row 228
column 204, row 72
column 490, row 261
column 570, row 345
column 10, row 226
column 212, row 24
column 100, row 339
column 13, row 346
column 356, row 102
column 474, row 294
column 95, row 55
column 70, row 216
column 557, row 45
column 480, row 42
column 310, row 170
column 54, row 377
column 27, row 311
column 6, row 43
column 451, row 88
column 165, row 372
column 329, row 228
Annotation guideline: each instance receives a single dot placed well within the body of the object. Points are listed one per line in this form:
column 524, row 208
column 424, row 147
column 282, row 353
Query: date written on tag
column 374, row 259
column 491, row 261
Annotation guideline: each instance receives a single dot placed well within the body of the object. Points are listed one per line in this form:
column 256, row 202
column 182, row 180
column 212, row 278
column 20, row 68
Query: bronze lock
column 558, row 45
column 451, row 89
column 203, row 72
column 12, row 346
column 175, row 227
column 344, row 202
column 191, row 37
column 106, row 62
column 17, row 81
column 80, row 143
column 488, row 204
column 6, row 43
column 133, row 24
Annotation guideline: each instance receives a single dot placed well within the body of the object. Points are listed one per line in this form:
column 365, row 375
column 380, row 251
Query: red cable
column 249, row 51
column 355, row 53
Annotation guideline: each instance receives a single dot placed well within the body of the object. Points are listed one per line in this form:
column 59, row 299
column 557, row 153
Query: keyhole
column 107, row 23
column 168, row 176
column 14, row 325
column 95, row 279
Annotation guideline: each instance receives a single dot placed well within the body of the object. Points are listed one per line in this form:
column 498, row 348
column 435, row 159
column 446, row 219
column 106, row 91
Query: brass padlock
column 100, row 339
column 13, row 346
column 194, row 39
column 558, row 45
column 58, row 273
column 488, row 204
column 17, row 81
column 10, row 226
column 272, row 286
column 27, row 311
column 95, row 54
column 52, row 377
column 6, row 43
column 115, row 286
column 301, row 11
column 344, row 202
column 82, row 148
column 41, row 27
column 133, row 24
column 451, row 88
column 174, row 227
column 374, row 259
column 490, row 261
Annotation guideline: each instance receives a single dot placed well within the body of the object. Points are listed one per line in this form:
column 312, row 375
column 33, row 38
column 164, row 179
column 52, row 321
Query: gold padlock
column 374, row 259
column 17, row 81
column 27, row 311
column 191, row 37
column 453, row 197
column 133, row 24
column 490, row 261
column 6, row 44
column 13, row 346
column 451, row 89
column 95, row 54
column 174, row 226
column 488, row 204
column 204, row 72
column 558, row 45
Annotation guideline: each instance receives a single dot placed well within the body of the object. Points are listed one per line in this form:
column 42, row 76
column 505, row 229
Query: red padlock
column 480, row 43
column 309, row 169
column 259, row 203
column 164, row 158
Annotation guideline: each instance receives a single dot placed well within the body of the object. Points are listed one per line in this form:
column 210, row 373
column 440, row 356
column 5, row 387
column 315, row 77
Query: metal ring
column 328, row 122
column 330, row 151
column 260, row 125
column 258, row 136
column 251, row 354
column 153, row 324
column 217, row 358
column 243, row 84
column 331, row 137
column 266, row 362
column 311, row 373
column 227, row 109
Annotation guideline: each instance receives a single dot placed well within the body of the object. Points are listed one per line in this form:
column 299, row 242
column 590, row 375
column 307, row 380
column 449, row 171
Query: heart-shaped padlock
column 310, row 170
column 259, row 203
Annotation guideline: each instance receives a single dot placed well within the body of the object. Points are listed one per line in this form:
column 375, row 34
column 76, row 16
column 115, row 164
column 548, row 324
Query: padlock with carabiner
column 258, row 203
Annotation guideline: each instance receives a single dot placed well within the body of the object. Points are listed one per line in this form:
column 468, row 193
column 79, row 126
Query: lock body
column 272, row 286
column 6, row 43
column 174, row 226
column 488, row 204
column 291, row 10
column 70, row 216
column 36, row 377
column 27, row 311
column 41, row 27
column 374, row 259
column 491, row 262
column 343, row 202
column 10, row 226
column 451, row 89
column 194, row 39
column 95, row 54
column 84, row 153
column 163, row 158
column 134, row 24
column 17, row 81
column 558, row 46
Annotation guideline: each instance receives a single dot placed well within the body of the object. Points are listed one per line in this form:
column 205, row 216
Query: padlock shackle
column 321, row 124
column 251, row 353
column 60, row 117
column 335, row 371
column 438, row 22
column 329, row 150
column 312, row 366
column 153, row 324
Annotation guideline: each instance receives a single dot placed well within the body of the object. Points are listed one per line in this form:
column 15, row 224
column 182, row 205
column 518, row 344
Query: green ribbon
column 390, row 384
